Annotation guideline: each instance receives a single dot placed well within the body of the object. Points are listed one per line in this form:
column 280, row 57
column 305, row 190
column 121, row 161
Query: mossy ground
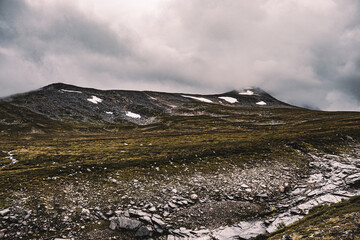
column 53, row 155
column 201, row 142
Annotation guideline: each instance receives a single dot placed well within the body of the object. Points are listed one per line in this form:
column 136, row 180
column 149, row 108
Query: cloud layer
column 303, row 52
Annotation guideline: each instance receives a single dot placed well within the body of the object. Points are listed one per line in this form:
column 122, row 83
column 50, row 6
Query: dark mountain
column 67, row 102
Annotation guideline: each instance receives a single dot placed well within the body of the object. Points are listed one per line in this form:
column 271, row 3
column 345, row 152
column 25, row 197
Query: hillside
column 66, row 102
column 167, row 165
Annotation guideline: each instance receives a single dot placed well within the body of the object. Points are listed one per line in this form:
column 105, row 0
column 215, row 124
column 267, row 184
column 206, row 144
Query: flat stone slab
column 243, row 230
column 125, row 223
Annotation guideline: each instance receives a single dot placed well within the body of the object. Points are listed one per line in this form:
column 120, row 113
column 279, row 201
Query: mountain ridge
column 61, row 101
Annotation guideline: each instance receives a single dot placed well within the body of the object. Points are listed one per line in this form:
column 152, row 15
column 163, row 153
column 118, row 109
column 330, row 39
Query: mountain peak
column 60, row 85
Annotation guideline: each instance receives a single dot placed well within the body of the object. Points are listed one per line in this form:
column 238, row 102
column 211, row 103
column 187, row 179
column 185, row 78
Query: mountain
column 80, row 163
column 67, row 102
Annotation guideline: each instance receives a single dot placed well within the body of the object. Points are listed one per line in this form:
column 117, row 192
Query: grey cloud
column 67, row 32
column 9, row 12
column 304, row 52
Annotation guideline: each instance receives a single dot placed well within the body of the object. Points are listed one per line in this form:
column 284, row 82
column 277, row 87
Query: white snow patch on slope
column 229, row 99
column 132, row 115
column 70, row 91
column 95, row 99
column 261, row 103
column 153, row 98
column 198, row 98
column 11, row 157
column 111, row 113
column 248, row 92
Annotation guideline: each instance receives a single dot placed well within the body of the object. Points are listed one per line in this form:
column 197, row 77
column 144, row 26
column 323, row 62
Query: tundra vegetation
column 66, row 166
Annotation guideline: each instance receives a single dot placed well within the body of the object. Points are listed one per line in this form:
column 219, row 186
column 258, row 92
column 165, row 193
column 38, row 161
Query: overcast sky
column 306, row 52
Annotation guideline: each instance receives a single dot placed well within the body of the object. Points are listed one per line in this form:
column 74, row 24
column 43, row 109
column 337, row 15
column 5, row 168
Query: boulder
column 125, row 223
column 142, row 232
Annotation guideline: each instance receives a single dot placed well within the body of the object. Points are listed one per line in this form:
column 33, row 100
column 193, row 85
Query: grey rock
column 305, row 207
column 158, row 229
column 194, row 197
column 262, row 195
column 113, row 224
column 171, row 237
column 328, row 198
column 314, row 192
column 101, row 215
column 345, row 194
column 158, row 222
column 119, row 213
column 85, row 212
column 244, row 230
column 13, row 219
column 298, row 191
column 156, row 216
column 152, row 209
column 284, row 218
column 142, row 232
column 353, row 180
column 4, row 211
column 109, row 213
column 146, row 219
column 126, row 223
column 138, row 213
column 230, row 197
column 172, row 205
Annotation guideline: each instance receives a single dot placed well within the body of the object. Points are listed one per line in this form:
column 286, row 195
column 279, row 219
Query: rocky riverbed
column 231, row 203
column 332, row 178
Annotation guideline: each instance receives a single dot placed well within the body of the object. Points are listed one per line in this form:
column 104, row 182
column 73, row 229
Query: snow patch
column 69, row 91
column 248, row 92
column 133, row 115
column 153, row 98
column 262, row 103
column 11, row 157
column 95, row 99
column 198, row 98
column 229, row 99
column 110, row 113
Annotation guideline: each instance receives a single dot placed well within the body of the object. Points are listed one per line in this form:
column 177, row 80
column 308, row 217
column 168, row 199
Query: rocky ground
column 232, row 203
column 210, row 171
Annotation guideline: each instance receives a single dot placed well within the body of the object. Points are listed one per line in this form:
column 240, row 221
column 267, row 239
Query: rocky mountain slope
column 187, row 168
column 66, row 102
